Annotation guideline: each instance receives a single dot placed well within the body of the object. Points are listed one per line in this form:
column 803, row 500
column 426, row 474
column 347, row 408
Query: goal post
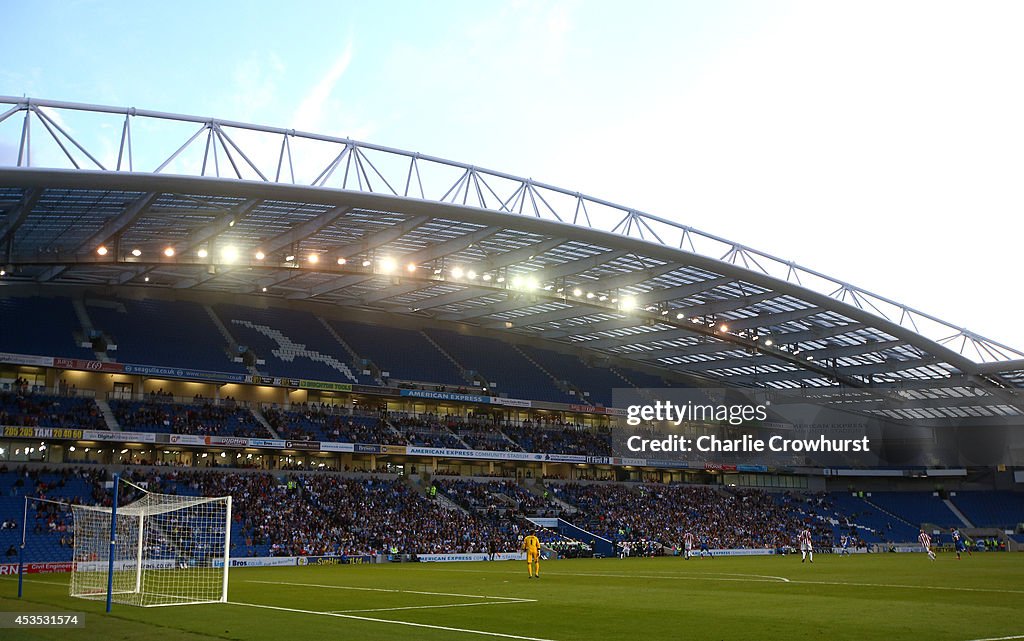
column 159, row 550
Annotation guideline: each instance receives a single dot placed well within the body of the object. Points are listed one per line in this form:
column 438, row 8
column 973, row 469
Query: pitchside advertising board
column 451, row 558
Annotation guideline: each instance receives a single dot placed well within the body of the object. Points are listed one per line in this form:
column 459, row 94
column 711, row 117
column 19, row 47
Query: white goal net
column 170, row 550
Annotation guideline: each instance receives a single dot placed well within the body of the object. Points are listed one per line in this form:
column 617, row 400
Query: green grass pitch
column 862, row 597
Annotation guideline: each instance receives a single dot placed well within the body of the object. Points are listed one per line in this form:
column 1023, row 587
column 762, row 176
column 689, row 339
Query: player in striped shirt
column 687, row 545
column 804, row 538
column 926, row 543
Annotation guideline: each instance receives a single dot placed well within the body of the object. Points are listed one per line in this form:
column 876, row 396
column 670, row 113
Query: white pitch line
column 429, row 607
column 689, row 577
column 754, row 578
column 1016, row 636
column 350, row 587
column 408, row 623
column 15, row 578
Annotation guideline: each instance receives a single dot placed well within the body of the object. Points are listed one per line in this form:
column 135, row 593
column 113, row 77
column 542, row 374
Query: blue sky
column 878, row 142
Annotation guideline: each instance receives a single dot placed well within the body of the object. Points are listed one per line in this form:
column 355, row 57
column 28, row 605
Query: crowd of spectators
column 332, row 423
column 744, row 518
column 24, row 408
column 557, row 436
column 320, row 513
column 201, row 419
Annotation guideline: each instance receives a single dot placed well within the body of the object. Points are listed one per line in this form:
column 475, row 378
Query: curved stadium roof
column 486, row 248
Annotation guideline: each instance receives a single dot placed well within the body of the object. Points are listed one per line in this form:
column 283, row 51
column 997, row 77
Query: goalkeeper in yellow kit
column 532, row 546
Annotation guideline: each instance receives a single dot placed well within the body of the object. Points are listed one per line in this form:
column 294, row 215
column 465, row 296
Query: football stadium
column 293, row 385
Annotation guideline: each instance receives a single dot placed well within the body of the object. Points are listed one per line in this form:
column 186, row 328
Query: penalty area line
column 429, row 607
column 391, row 621
column 1016, row 636
column 392, row 590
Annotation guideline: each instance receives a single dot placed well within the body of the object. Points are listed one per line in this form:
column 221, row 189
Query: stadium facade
column 260, row 261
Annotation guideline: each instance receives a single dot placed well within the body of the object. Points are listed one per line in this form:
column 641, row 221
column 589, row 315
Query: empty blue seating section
column 293, row 343
column 597, row 381
column 642, row 379
column 501, row 364
column 42, row 327
column 404, row 353
column 168, row 333
column 50, row 411
column 991, row 509
column 887, row 528
column 916, row 507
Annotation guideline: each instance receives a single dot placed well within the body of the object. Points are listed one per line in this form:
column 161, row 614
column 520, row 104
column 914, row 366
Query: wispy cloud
column 311, row 111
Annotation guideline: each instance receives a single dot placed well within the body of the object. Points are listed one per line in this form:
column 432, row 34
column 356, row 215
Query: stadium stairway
column 563, row 386
column 108, row 415
column 345, row 346
column 262, row 420
column 465, row 375
column 440, row 498
column 222, row 329
column 892, row 515
column 539, row 489
column 960, row 515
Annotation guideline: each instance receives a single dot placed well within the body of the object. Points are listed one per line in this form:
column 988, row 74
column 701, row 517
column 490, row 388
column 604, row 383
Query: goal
column 160, row 550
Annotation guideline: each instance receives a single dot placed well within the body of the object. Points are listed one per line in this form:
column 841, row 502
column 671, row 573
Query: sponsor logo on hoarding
column 26, row 359
column 301, row 444
column 326, row 385
column 187, row 439
column 266, row 442
column 446, row 396
column 230, row 441
column 336, row 447
column 17, row 431
column 511, row 402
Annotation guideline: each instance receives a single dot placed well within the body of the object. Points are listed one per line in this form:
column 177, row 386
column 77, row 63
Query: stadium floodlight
column 202, row 253
column 159, row 550
column 487, row 277
column 680, row 316
column 411, row 267
column 260, row 255
column 169, row 252
column 471, row 275
column 342, row 261
column 289, row 258
column 387, row 265
column 136, row 252
column 628, row 303
column 229, row 254
column 723, row 327
column 264, row 290
column 577, row 292
column 457, row 272
column 501, row 279
column 101, row 250
column 313, row 258
column 590, row 295
column 367, row 263
column 146, row 279
column 517, row 282
column 531, row 283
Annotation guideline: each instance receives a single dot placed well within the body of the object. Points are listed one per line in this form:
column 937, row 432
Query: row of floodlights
column 230, row 254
